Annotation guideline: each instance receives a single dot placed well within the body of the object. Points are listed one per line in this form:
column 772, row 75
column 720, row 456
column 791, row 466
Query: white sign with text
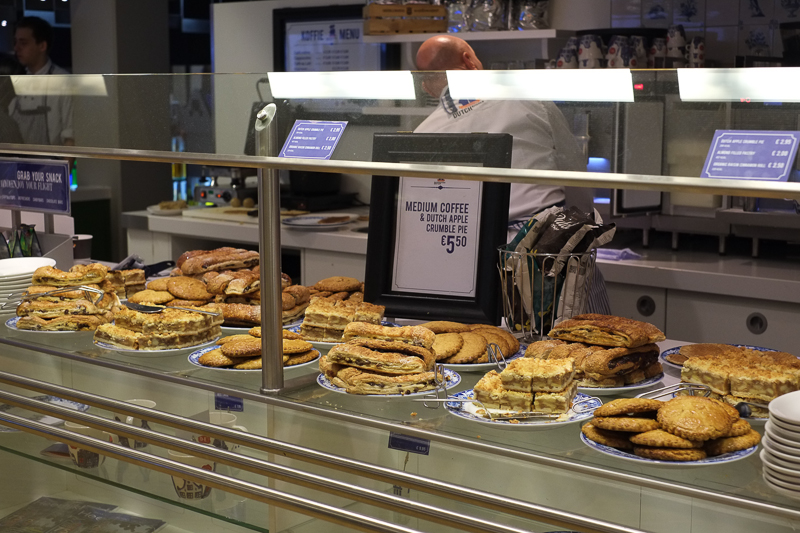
column 437, row 235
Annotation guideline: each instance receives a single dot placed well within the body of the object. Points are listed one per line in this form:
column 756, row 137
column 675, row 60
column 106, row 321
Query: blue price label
column 224, row 402
column 313, row 139
column 754, row 155
column 33, row 185
column 407, row 443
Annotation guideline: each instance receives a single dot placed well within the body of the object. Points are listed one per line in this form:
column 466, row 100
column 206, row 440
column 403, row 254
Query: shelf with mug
column 471, row 36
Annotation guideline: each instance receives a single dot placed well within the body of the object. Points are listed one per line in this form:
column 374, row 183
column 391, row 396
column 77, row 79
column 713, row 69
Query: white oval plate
column 794, row 494
column 325, row 347
column 786, row 408
column 42, row 419
column 155, row 210
column 22, row 266
column 313, row 222
column 152, row 353
column 771, row 442
column 11, row 323
column 773, row 429
column 769, row 460
column 484, row 367
column 194, row 358
column 791, row 458
column 451, row 377
column 777, row 481
column 608, row 391
column 619, row 454
column 468, row 412
column 665, row 353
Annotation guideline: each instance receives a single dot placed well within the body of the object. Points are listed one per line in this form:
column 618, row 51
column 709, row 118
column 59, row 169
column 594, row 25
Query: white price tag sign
column 438, row 230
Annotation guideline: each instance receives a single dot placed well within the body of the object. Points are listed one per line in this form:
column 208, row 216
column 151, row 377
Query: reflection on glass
column 739, row 85
column 385, row 85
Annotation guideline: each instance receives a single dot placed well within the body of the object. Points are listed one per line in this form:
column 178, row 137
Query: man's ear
column 466, row 58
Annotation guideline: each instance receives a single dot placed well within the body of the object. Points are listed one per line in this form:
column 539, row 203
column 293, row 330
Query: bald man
column 542, row 139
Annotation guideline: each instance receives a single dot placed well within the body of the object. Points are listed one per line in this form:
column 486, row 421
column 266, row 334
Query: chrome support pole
column 269, row 221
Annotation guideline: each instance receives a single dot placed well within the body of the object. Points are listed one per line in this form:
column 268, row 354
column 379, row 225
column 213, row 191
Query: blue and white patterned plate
column 152, row 353
column 725, row 458
column 11, row 323
column 451, row 377
column 242, row 330
column 324, row 347
column 317, row 222
column 36, row 417
column 485, row 367
column 608, row 391
column 677, row 349
column 194, row 358
column 586, row 411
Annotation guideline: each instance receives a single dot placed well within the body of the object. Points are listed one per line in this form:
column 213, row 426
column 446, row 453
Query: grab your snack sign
column 436, row 244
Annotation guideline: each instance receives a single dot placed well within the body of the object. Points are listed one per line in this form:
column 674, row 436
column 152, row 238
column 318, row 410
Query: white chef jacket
column 44, row 118
column 541, row 140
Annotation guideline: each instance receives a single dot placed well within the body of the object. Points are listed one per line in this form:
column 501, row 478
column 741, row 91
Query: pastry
column 628, row 406
column 188, row 289
column 761, row 384
column 62, row 323
column 607, row 330
column 241, row 314
column 159, row 284
column 338, row 284
column 615, row 439
column 171, row 341
column 425, row 354
column 47, row 309
column 220, row 259
column 669, row 454
column 599, row 381
column 625, row 423
column 619, row 361
column 216, row 358
column 152, row 297
column 386, row 362
column 77, row 275
column 367, row 312
column 472, row 349
column 186, row 303
column 555, row 402
column 441, row 326
column 416, row 335
column 534, row 375
column 695, row 418
column 661, row 439
column 447, row 344
column 300, row 358
column 707, row 371
column 167, row 321
column 732, row 444
column 357, row 381
column 489, row 391
column 542, row 349
column 245, row 282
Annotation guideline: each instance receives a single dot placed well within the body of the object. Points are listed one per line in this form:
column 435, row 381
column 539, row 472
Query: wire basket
column 541, row 290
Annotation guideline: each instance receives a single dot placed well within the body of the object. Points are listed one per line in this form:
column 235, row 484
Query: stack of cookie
column 169, row 329
column 73, row 310
column 608, row 351
column 686, row 428
column 179, row 291
column 529, row 385
column 338, row 288
column 243, row 352
column 458, row 343
column 382, row 360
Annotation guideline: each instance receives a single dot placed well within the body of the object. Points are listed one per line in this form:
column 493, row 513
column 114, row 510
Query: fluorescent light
column 739, row 85
column 384, row 85
column 60, row 85
column 563, row 85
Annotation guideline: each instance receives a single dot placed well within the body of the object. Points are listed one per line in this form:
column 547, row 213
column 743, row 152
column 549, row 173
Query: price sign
column 407, row 443
column 437, row 224
column 313, row 139
column 35, row 185
column 754, row 155
column 224, row 402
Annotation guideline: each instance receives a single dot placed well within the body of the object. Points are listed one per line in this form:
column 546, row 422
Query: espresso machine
column 226, row 187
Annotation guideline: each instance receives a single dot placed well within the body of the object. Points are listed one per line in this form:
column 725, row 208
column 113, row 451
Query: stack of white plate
column 781, row 445
column 15, row 277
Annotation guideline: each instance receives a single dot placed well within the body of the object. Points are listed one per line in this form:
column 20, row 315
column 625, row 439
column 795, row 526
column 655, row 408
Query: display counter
column 311, row 459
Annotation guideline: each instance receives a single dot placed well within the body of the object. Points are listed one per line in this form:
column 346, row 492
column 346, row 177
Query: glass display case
column 291, row 455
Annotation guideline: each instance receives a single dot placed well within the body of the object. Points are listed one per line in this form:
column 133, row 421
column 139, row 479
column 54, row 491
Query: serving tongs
column 87, row 293
column 698, row 389
column 151, row 309
column 496, row 356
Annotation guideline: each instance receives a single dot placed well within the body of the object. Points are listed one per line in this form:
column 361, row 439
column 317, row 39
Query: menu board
column 753, row 155
column 438, row 223
column 35, row 185
column 313, row 139
column 326, row 46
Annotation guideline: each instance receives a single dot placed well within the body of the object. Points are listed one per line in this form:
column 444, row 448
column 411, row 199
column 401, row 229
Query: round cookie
column 625, row 423
column 256, row 332
column 669, row 454
column 511, row 341
column 446, row 345
column 294, row 346
column 243, row 348
column 731, row 410
column 215, row 358
column 443, row 326
column 628, row 406
column 159, row 284
column 732, row 444
column 233, row 338
column 291, row 335
column 615, row 439
column 493, row 337
column 250, row 364
column 300, row 358
column 473, row 348
column 739, row 428
column 695, row 418
column 148, row 296
column 338, row 284
column 186, row 303
column 187, row 288
column 658, row 438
